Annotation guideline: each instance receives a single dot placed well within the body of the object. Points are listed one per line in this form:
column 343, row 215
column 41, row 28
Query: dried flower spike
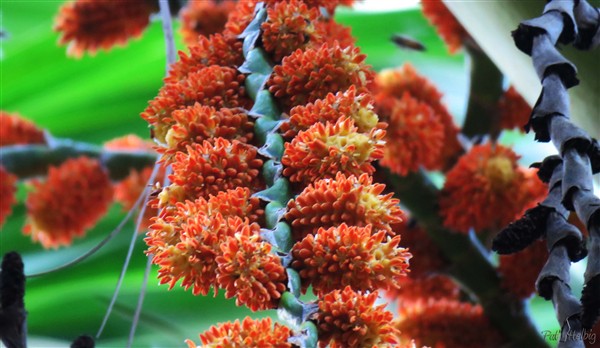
column 350, row 256
column 324, row 150
column 348, row 319
column 15, row 130
column 90, row 25
column 352, row 200
column 250, row 333
column 73, row 198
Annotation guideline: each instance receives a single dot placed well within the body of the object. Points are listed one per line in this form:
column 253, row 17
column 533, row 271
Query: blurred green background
column 98, row 98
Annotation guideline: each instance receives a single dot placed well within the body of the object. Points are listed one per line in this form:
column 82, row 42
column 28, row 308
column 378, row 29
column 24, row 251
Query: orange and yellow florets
column 8, row 188
column 15, row 130
column 248, row 333
column 74, row 196
column 445, row 23
column 324, row 150
column 352, row 256
column 204, row 17
column 352, row 200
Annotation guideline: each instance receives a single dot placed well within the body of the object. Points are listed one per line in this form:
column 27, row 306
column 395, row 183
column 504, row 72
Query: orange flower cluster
column 366, row 260
column 305, row 76
column 204, row 17
column 250, row 333
column 514, row 110
column 410, row 115
column 8, row 188
column 353, row 200
column 289, row 26
column 73, row 198
column 216, row 49
column 324, row 150
column 209, row 168
column 349, row 319
column 451, row 31
column 498, row 189
column 447, row 323
column 416, row 137
column 15, row 130
column 195, row 242
column 214, row 86
column 520, row 270
column 359, row 108
column 90, row 25
column 199, row 123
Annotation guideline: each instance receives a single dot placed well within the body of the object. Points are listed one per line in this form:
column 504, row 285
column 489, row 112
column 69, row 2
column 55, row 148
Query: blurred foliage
column 98, row 98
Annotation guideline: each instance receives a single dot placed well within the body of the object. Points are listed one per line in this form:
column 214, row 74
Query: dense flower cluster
column 8, row 188
column 498, row 189
column 74, row 196
column 204, row 17
column 352, row 256
column 353, row 200
column 215, row 86
column 248, row 333
column 324, row 150
column 306, row 76
column 446, row 323
column 349, row 319
column 446, row 24
column 521, row 270
column 15, row 130
column 90, row 25
column 391, row 103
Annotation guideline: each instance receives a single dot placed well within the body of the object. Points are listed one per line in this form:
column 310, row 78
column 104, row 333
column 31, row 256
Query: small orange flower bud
column 250, row 333
column 90, row 25
column 324, row 150
column 348, row 319
column 305, row 76
column 15, row 130
column 248, row 271
column 352, row 200
column 73, row 198
column 8, row 188
column 240, row 17
column 328, row 31
column 350, row 256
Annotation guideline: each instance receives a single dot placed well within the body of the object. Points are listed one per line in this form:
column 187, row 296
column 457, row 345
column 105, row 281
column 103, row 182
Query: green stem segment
column 484, row 92
column 27, row 161
column 469, row 266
